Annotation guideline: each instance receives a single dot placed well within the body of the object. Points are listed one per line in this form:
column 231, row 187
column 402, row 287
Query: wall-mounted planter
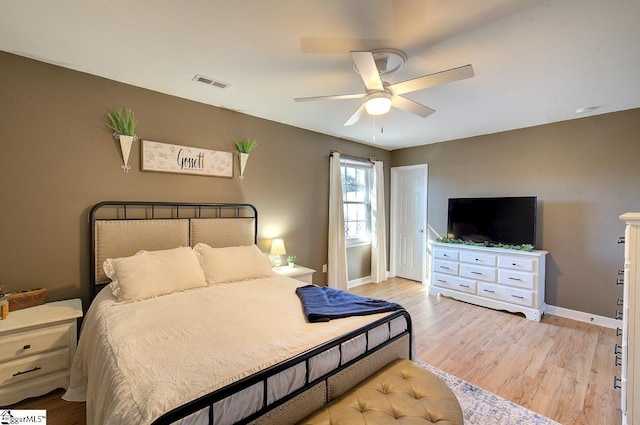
column 245, row 146
column 242, row 158
column 125, row 147
column 123, row 124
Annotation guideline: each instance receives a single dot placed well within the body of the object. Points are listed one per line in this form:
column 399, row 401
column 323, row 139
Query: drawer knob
column 620, row 302
column 616, row 383
column 515, row 278
column 26, row 347
column 27, row 371
column 518, row 297
column 513, row 264
column 476, row 272
column 621, row 239
column 618, row 332
column 491, row 292
column 620, row 281
column 444, row 267
column 621, row 272
column 618, row 361
column 618, row 315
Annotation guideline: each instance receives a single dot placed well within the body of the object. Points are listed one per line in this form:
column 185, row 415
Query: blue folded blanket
column 321, row 304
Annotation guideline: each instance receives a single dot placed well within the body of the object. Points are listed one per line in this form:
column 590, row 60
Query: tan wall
column 585, row 173
column 58, row 159
column 358, row 262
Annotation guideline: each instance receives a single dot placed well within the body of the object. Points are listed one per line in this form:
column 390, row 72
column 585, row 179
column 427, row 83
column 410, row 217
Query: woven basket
column 25, row 299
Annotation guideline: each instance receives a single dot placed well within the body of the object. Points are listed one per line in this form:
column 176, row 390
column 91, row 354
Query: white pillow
column 233, row 263
column 152, row 273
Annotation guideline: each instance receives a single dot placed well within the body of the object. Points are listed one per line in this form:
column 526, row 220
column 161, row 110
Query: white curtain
column 378, row 228
column 337, row 264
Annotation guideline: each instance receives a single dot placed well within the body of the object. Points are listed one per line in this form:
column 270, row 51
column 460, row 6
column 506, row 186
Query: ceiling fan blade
column 338, row 46
column 368, row 70
column 332, row 97
column 432, row 80
column 356, row 116
column 411, row 106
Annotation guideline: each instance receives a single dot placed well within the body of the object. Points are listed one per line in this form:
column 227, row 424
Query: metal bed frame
column 127, row 210
column 209, row 399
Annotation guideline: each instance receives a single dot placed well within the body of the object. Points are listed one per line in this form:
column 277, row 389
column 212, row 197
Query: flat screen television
column 507, row 220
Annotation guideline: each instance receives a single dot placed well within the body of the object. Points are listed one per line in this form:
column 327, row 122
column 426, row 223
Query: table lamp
column 277, row 249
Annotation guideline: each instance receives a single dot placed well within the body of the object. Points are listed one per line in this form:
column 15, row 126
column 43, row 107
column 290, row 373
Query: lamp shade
column 277, row 247
column 378, row 103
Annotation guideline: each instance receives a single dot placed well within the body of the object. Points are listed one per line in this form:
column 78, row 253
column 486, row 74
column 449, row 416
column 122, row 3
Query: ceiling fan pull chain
column 374, row 128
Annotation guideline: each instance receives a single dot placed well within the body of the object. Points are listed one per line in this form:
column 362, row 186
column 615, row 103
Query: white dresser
column 502, row 279
column 630, row 382
column 37, row 345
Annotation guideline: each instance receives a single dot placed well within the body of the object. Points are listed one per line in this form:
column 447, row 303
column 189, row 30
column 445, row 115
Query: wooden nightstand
column 300, row 273
column 37, row 345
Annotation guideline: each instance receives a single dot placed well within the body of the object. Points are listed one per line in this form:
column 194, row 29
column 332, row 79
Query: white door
column 409, row 221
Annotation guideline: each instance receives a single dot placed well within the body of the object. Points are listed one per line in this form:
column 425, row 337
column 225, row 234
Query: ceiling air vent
column 210, row 81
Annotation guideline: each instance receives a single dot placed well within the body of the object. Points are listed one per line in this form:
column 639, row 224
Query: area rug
column 481, row 407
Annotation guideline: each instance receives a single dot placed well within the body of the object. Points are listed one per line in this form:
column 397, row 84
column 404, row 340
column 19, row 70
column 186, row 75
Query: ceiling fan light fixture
column 378, row 103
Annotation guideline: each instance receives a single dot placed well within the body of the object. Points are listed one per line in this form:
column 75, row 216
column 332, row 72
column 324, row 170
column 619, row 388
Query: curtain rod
column 354, row 158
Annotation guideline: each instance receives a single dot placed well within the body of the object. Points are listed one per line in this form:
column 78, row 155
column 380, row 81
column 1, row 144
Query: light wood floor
column 560, row 368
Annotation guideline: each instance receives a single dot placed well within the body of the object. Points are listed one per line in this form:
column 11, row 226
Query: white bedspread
column 136, row 361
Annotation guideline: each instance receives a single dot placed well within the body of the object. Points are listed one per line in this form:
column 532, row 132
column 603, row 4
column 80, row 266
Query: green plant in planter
column 245, row 145
column 122, row 121
column 521, row 247
column 291, row 259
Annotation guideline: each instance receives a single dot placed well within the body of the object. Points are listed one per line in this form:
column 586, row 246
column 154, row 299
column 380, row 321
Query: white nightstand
column 37, row 345
column 300, row 273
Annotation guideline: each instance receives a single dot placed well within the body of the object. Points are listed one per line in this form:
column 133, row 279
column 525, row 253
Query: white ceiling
column 535, row 61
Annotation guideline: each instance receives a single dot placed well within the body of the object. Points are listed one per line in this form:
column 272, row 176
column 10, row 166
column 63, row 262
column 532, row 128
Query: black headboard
column 122, row 228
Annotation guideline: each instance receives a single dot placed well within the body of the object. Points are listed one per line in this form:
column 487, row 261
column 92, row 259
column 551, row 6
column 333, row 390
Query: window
column 356, row 187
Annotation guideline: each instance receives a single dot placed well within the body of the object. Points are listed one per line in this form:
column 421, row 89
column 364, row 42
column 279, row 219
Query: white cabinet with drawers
column 497, row 278
column 37, row 345
column 303, row 274
column 630, row 347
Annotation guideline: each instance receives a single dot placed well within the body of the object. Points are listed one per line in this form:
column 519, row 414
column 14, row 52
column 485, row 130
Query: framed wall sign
column 168, row 158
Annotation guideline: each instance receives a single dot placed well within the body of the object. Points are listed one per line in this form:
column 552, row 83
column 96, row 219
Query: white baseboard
column 607, row 322
column 361, row 281
column 357, row 282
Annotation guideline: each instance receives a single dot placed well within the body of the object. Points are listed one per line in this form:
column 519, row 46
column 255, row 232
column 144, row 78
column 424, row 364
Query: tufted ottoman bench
column 400, row 393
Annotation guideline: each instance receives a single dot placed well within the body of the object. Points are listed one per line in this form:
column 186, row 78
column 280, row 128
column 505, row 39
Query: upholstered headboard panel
column 223, row 232
column 121, row 229
column 122, row 238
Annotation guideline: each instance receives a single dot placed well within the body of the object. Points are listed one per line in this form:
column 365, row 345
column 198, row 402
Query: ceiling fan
column 380, row 95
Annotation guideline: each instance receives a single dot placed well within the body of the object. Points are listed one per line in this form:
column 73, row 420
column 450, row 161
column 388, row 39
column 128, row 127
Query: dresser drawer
column 509, row 295
column 517, row 279
column 518, row 263
column 478, row 258
column 31, row 367
column 454, row 282
column 26, row 343
column 446, row 254
column 443, row 266
column 471, row 271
